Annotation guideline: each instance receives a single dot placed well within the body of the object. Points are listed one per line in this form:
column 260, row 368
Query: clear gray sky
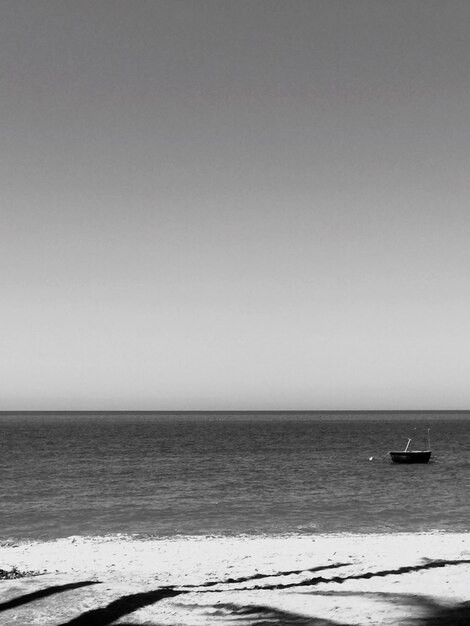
column 234, row 204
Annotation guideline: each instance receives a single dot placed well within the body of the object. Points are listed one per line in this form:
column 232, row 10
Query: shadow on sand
column 123, row 606
column 434, row 613
column 340, row 579
column 257, row 615
column 43, row 593
column 258, row 576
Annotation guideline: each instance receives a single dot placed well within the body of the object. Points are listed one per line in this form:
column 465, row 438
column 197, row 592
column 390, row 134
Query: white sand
column 125, row 566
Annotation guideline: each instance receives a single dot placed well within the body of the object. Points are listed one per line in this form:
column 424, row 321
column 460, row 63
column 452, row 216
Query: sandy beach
column 322, row 579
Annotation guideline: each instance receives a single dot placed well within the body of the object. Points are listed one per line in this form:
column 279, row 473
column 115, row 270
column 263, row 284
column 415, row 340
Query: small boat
column 411, row 456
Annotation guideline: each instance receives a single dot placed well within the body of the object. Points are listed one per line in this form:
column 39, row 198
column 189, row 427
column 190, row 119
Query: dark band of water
column 225, row 474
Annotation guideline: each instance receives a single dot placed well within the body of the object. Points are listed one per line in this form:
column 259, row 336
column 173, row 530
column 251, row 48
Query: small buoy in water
column 371, row 458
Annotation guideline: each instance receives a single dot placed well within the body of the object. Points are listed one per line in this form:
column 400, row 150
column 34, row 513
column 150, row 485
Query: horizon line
column 226, row 411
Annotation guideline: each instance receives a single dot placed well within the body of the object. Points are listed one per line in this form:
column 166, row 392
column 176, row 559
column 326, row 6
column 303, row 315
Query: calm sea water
column 166, row 475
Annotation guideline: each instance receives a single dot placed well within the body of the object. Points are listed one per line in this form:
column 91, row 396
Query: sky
column 234, row 204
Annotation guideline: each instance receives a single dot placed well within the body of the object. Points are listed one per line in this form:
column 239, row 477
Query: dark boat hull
column 421, row 456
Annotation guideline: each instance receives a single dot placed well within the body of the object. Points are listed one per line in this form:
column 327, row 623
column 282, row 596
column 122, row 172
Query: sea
column 165, row 475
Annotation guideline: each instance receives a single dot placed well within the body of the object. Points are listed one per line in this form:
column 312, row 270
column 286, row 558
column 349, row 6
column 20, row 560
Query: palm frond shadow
column 44, row 593
column 260, row 576
column 457, row 615
column 435, row 613
column 340, row 579
column 122, row 606
column 257, row 615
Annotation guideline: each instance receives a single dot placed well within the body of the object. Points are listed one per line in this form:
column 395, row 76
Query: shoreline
column 147, row 536
column 341, row 578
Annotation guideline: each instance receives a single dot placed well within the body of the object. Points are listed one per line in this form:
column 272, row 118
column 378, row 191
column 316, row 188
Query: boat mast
column 429, row 439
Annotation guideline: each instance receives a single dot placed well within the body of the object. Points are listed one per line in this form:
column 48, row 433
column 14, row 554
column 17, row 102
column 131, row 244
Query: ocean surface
column 165, row 475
